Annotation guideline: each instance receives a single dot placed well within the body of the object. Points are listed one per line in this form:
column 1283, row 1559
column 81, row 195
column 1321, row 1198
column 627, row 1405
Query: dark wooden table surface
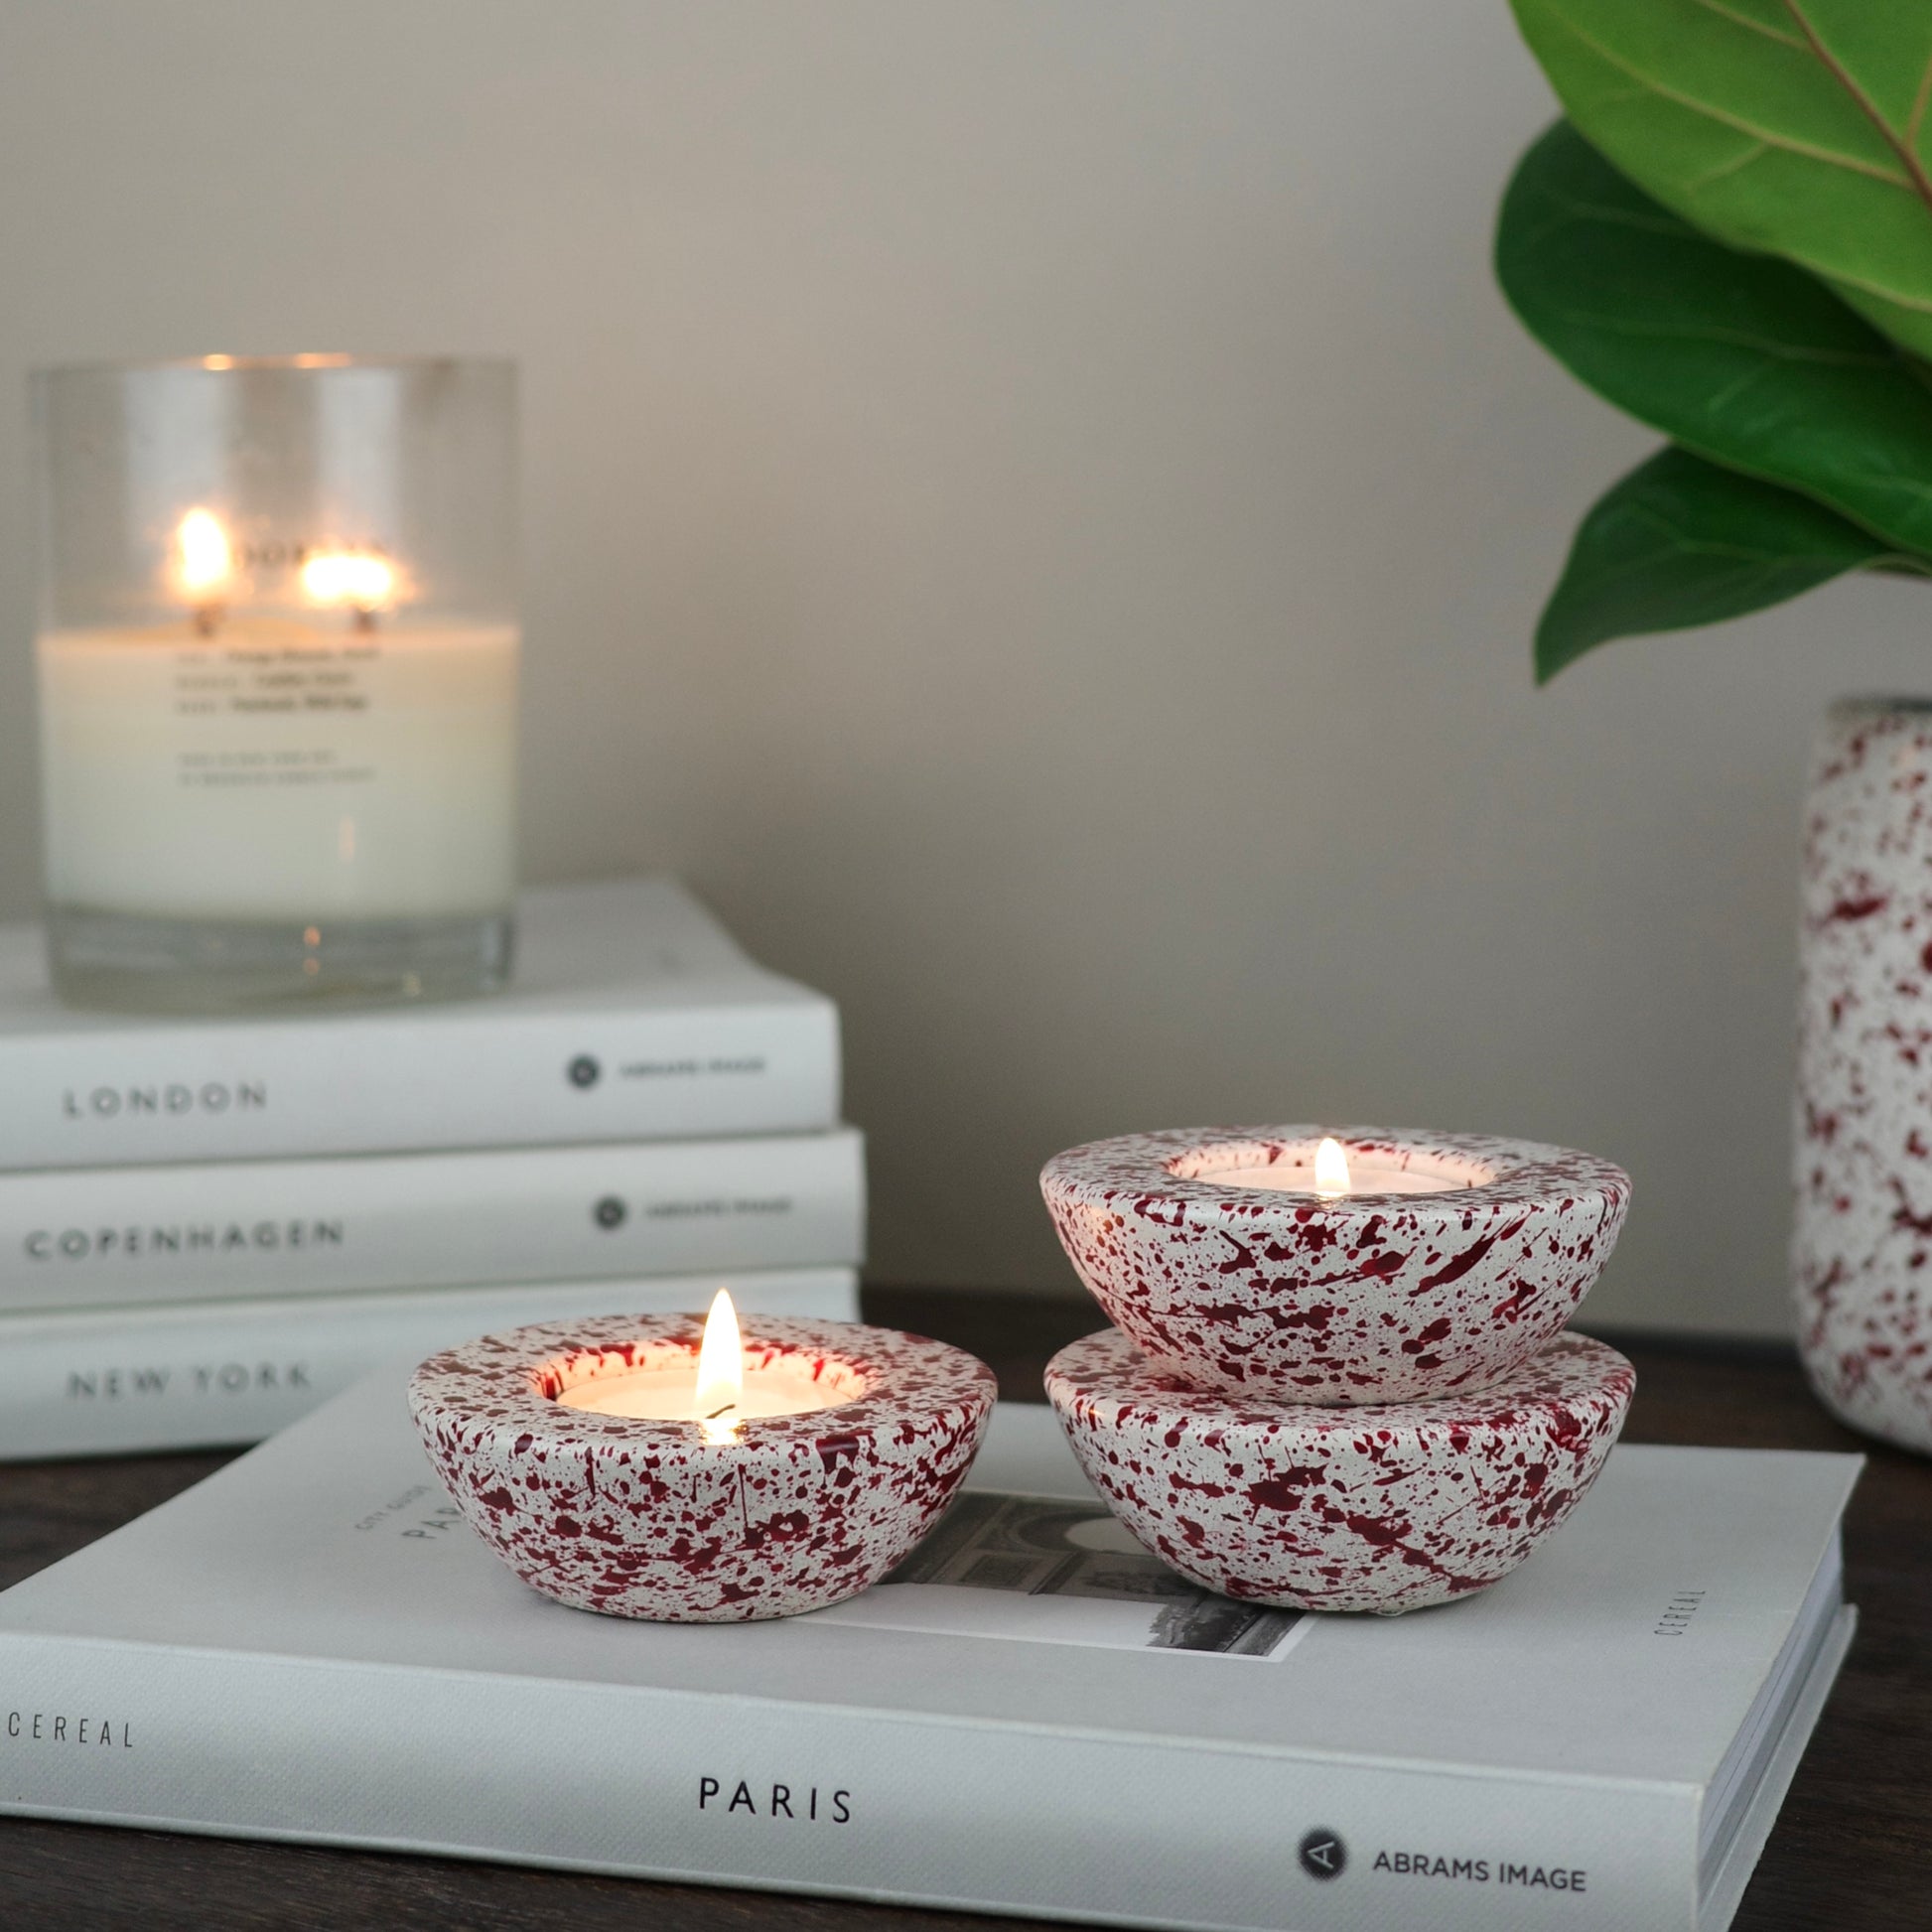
column 1851, row 1853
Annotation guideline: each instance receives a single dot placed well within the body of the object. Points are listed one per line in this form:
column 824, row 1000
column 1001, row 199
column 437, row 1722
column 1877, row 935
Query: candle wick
column 208, row 618
column 364, row 618
column 725, row 1410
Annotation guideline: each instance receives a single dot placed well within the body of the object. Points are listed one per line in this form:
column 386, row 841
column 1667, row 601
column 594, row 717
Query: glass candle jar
column 278, row 662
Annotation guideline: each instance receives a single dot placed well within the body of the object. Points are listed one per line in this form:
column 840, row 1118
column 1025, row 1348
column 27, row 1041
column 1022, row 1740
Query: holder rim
column 495, row 1380
column 1140, row 1166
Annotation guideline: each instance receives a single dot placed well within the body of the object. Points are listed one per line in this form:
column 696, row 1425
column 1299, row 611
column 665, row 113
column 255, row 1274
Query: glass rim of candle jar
column 275, row 359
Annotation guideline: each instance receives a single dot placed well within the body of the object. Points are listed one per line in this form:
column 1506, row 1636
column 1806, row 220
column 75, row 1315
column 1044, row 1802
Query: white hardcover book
column 1030, row 1716
column 633, row 1015
column 117, row 1381
column 248, row 1229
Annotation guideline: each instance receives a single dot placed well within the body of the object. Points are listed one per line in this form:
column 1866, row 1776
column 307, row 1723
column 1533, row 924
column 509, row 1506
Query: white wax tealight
column 1330, row 1175
column 1297, row 1178
column 671, row 1394
column 720, row 1390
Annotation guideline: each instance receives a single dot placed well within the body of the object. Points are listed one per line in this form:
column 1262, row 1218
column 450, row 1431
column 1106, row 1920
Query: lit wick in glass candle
column 203, row 565
column 352, row 578
column 1331, row 1178
column 723, row 1393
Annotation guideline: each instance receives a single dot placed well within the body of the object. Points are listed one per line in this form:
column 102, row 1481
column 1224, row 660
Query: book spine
column 258, row 1229
column 267, row 1089
column 870, row 1804
column 119, row 1381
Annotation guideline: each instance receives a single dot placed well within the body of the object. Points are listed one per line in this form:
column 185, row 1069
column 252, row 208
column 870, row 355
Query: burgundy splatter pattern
column 1365, row 1298
column 1862, row 1245
column 1389, row 1508
column 647, row 1519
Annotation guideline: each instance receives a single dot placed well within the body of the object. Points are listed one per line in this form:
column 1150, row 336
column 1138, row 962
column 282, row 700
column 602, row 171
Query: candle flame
column 204, row 559
column 339, row 577
column 721, row 1370
column 1330, row 1169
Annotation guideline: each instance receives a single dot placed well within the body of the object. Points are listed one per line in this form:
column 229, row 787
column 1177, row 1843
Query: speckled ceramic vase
column 1862, row 1245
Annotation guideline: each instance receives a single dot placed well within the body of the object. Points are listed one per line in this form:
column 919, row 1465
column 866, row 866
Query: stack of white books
column 206, row 1226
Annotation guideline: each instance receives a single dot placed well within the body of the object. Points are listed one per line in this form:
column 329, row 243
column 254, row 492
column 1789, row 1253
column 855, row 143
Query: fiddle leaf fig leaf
column 1796, row 127
column 1741, row 358
column 1681, row 542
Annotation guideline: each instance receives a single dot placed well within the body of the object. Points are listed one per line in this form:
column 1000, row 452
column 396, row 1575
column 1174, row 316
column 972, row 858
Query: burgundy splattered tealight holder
column 1445, row 1263
column 1336, row 1380
column 679, row 1519
column 1387, row 1509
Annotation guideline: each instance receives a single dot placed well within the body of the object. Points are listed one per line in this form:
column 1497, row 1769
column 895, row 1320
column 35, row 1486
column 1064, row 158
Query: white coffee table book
column 1033, row 1717
column 632, row 1015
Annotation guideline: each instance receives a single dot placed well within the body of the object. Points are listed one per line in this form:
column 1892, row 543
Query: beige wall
column 1037, row 509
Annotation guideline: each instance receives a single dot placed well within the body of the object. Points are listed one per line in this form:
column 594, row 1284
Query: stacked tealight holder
column 1337, row 1378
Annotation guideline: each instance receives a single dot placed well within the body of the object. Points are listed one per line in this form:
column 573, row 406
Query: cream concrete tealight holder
column 1339, row 1388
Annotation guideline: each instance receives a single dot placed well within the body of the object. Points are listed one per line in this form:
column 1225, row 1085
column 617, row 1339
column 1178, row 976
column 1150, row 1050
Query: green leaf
column 1681, row 542
column 1799, row 127
column 1743, row 358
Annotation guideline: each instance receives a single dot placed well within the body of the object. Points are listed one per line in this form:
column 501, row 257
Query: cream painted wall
column 1036, row 508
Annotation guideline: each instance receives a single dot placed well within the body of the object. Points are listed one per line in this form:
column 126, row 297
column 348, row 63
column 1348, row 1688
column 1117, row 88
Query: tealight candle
column 1330, row 1176
column 720, row 1390
column 653, row 1467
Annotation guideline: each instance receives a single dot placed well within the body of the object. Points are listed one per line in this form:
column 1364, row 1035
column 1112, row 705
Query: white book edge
column 634, row 1015
column 249, row 1229
column 1117, row 1829
column 209, row 1375
column 1133, row 1819
column 1734, row 1875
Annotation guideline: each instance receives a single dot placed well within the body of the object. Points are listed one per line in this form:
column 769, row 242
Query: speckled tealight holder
column 1389, row 1508
column 1363, row 1298
column 659, row 1519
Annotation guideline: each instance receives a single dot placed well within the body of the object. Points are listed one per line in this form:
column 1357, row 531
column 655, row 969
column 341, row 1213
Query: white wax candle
column 1299, row 1179
column 670, row 1394
column 280, row 767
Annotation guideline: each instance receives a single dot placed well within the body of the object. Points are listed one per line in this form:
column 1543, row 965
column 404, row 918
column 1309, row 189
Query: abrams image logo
column 1324, row 1855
